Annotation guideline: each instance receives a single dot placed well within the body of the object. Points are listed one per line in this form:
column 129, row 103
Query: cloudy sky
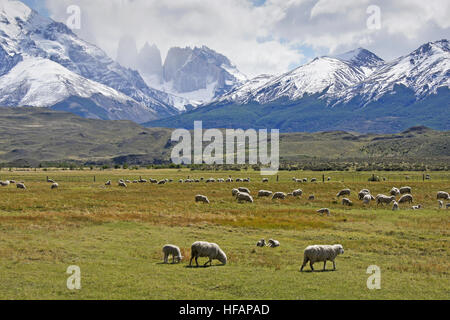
column 261, row 36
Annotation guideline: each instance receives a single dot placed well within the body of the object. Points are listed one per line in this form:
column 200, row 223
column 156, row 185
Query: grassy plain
column 115, row 236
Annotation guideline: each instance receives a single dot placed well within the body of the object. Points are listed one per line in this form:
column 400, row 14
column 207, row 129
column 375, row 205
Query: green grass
column 116, row 235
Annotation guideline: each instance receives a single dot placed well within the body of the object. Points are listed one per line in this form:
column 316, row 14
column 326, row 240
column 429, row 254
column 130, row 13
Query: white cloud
column 267, row 38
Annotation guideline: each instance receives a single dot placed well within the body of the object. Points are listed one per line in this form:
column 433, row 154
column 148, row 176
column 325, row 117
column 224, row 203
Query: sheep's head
column 222, row 257
column 339, row 248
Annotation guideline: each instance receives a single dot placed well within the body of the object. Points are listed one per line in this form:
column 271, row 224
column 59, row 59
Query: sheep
column 264, row 193
column 4, row 183
column 324, row 211
column 174, row 251
column 443, row 195
column 416, row 207
column 265, row 180
column 162, row 182
column 108, row 183
column 363, row 193
column 244, row 197
column 312, row 198
column 122, row 184
column 21, row 186
column 12, row 181
column 441, row 204
column 347, row 202
column 205, row 249
column 261, row 243
column 382, row 199
column 54, row 186
column 320, row 253
column 50, row 180
column 229, row 180
column 142, row 181
column 313, row 180
column 395, row 206
column 345, row 192
column 210, row 180
column 135, row 181
column 221, row 180
column 329, row 179
column 239, row 180
column 394, row 192
column 273, row 243
column 234, row 192
column 405, row 190
column 367, row 198
column 245, row 190
column 297, row 193
column 406, row 198
column 127, row 181
column 200, row 198
column 305, row 180
column 279, row 195
column 247, row 180
column 153, row 181
column 298, row 180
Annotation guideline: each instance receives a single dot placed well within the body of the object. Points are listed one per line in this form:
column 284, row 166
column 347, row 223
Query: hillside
column 30, row 136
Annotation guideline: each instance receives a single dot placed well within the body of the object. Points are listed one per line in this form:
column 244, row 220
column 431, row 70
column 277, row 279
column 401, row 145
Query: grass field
column 116, row 235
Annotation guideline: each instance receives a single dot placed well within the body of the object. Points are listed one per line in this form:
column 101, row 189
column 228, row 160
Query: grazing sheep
column 312, row 198
column 244, row 197
column 297, row 193
column 245, row 190
column 122, row 184
column 234, row 192
column 162, row 182
column 264, row 193
column 345, row 192
column 394, row 192
column 417, row 207
column 210, row 250
column 406, row 198
column 367, row 198
column 142, row 181
column 200, row 198
column 210, row 180
column 273, row 243
column 174, row 251
column 247, row 180
column 221, row 180
column 54, row 186
column 229, row 180
column 363, row 193
column 12, row 181
column 239, row 180
column 50, row 180
column 153, row 181
column 347, row 202
column 279, row 195
column 298, row 180
column 405, row 190
column 4, row 183
column 21, row 186
column 395, row 206
column 324, row 211
column 443, row 195
column 319, row 253
column 305, row 179
column 265, row 180
column 261, row 243
column 108, row 183
column 313, row 180
column 382, row 199
column 441, row 204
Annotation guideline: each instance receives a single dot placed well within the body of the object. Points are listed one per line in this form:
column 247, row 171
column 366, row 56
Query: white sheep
column 394, row 192
column 297, row 193
column 261, row 243
column 201, row 198
column 395, row 206
column 55, row 186
column 363, row 193
column 244, row 197
column 406, row 198
column 273, row 243
column 367, row 198
column 324, row 211
column 122, row 184
column 234, row 192
column 21, row 186
column 108, row 183
column 321, row 253
column 205, row 249
column 383, row 199
column 443, row 195
column 347, row 202
column 279, row 195
column 174, row 251
column 344, row 192
column 405, row 190
column 264, row 193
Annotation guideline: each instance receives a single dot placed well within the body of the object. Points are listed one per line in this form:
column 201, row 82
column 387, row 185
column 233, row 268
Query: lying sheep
column 201, row 198
column 261, row 243
column 320, row 253
column 416, row 207
column 174, row 251
column 264, row 193
column 443, row 195
column 324, row 211
column 108, row 183
column 405, row 190
column 162, row 182
column 297, row 193
column 122, row 184
column 347, row 202
column 394, row 192
column 244, row 197
column 279, row 195
column 273, row 243
column 245, row 190
column 345, row 192
column 21, row 186
column 382, row 199
column 54, row 186
column 210, row 250
column 395, row 206
column 406, row 198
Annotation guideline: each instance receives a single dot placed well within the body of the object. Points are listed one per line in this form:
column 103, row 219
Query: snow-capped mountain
column 326, row 75
column 423, row 71
column 43, row 62
column 196, row 74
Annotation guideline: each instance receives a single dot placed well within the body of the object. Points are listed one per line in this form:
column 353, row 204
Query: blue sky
column 38, row 5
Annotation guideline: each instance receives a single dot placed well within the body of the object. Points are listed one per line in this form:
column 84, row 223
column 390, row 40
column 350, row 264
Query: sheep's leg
column 165, row 258
column 311, row 265
column 334, row 265
column 325, row 265
column 305, row 261
column 173, row 259
column 190, row 262
column 209, row 261
column 196, row 261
